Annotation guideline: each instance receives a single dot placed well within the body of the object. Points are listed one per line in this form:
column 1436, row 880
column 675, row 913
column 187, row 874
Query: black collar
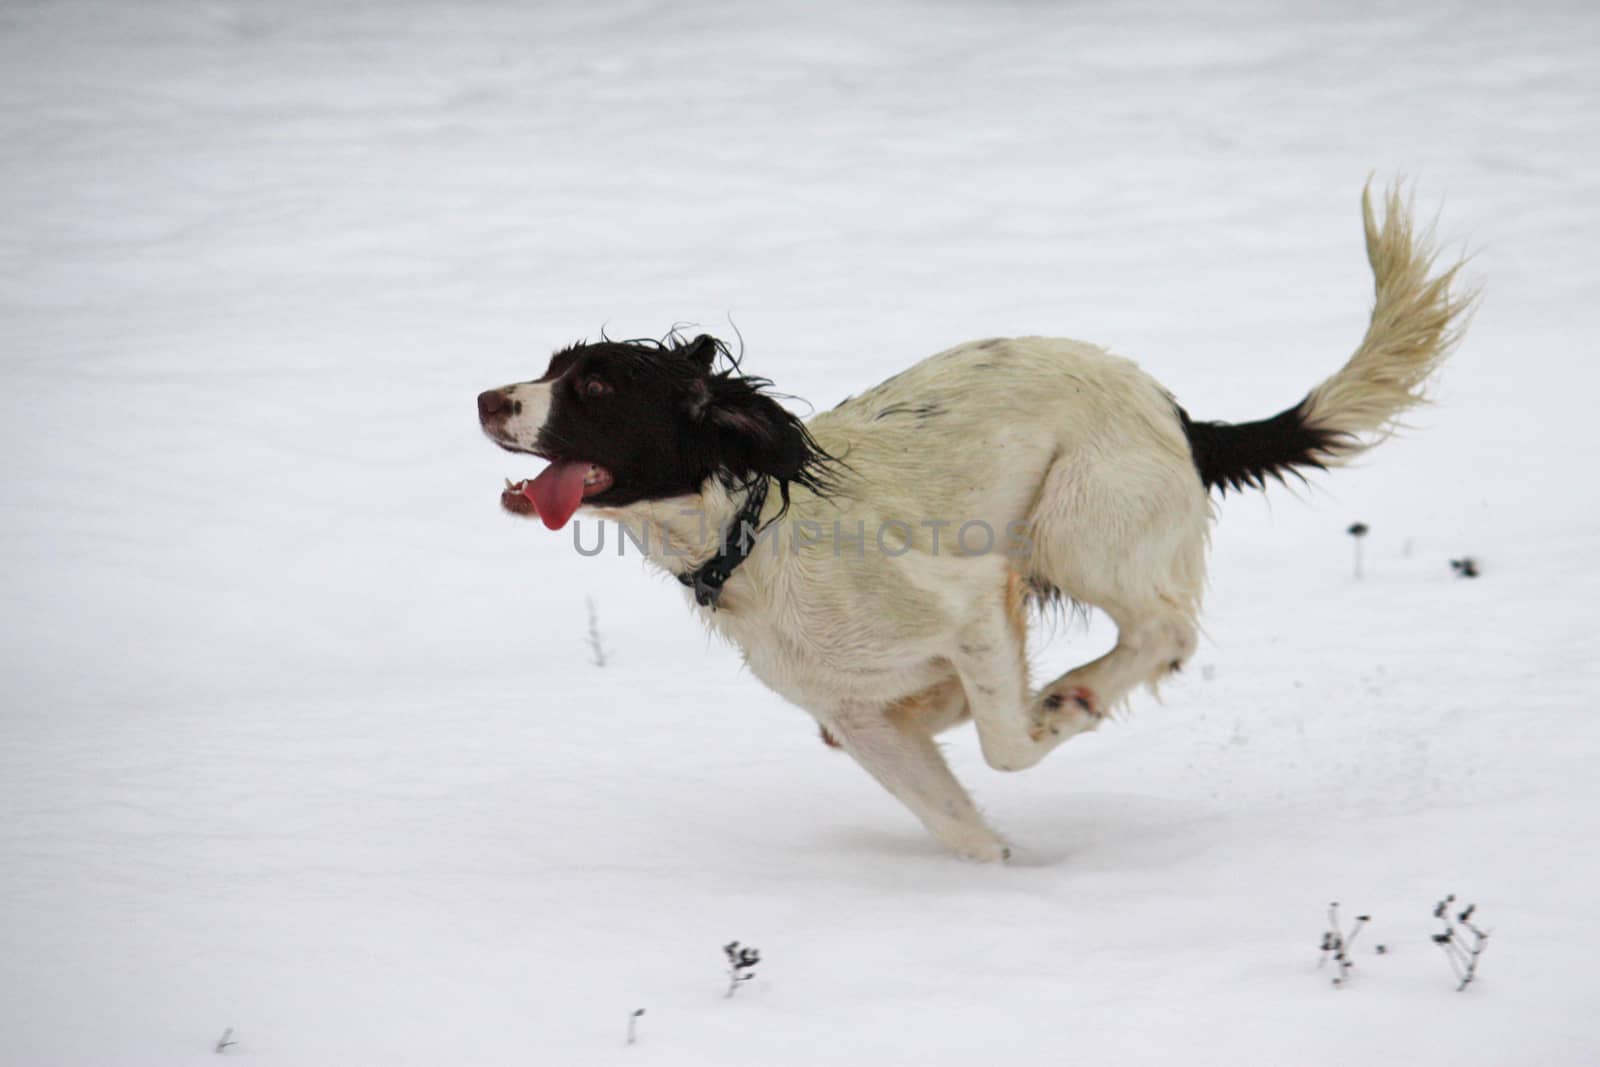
column 738, row 541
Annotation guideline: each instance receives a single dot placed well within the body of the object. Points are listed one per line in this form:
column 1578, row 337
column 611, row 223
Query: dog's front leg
column 1014, row 731
column 901, row 754
column 990, row 659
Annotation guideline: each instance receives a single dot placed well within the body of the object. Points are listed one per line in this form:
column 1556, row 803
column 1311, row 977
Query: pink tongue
column 558, row 491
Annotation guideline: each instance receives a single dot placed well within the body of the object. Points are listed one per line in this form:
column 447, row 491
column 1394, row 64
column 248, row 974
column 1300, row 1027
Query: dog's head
column 625, row 421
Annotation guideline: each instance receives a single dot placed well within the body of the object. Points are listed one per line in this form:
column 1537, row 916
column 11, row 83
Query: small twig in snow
column 225, row 1040
column 597, row 651
column 1336, row 944
column 1462, row 949
column 1357, row 530
column 633, row 1021
column 742, row 960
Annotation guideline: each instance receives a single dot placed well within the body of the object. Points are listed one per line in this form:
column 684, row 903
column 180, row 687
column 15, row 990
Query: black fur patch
column 1244, row 455
column 920, row 412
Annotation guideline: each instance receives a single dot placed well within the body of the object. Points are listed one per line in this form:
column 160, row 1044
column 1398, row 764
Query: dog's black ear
column 754, row 433
column 703, row 350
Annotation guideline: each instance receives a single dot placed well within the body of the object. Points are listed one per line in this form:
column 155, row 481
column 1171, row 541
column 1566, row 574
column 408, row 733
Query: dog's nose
column 493, row 404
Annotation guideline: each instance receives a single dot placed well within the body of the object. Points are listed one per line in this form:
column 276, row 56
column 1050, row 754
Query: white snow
column 300, row 735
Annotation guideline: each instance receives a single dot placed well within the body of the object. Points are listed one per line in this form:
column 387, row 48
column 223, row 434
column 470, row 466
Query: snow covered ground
column 301, row 736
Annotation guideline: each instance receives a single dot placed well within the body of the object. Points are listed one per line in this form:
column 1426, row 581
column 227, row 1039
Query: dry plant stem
column 742, row 960
column 1337, row 945
column 1463, row 957
column 597, row 650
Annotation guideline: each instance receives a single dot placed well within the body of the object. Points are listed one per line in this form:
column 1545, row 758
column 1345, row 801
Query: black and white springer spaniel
column 876, row 570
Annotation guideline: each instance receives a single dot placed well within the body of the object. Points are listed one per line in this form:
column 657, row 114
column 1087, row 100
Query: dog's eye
column 594, row 387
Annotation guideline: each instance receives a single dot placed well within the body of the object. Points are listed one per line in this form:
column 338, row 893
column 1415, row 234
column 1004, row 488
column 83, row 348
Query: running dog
column 875, row 564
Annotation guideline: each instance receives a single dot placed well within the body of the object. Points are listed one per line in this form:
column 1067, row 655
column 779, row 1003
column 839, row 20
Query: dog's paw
column 988, row 850
column 1062, row 711
column 970, row 839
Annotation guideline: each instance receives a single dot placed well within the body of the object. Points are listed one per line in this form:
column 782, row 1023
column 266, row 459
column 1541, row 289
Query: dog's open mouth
column 557, row 492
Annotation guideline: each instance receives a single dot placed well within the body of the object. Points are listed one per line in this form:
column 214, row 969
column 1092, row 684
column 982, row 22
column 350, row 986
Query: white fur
column 529, row 412
column 887, row 648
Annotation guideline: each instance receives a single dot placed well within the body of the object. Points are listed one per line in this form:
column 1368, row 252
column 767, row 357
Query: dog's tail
column 1416, row 321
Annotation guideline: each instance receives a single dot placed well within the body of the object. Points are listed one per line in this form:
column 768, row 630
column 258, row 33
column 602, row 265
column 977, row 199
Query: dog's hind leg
column 1128, row 537
column 901, row 754
column 1150, row 645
